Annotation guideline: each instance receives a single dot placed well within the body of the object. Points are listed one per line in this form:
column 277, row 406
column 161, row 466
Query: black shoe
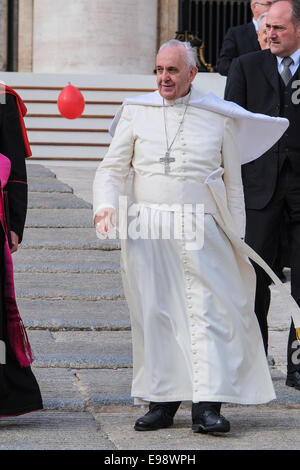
column 293, row 380
column 159, row 416
column 208, row 420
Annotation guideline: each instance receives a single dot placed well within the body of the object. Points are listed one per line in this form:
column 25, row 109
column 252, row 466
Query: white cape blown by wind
column 257, row 133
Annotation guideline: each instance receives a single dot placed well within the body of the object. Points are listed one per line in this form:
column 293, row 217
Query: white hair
column 261, row 17
column 190, row 51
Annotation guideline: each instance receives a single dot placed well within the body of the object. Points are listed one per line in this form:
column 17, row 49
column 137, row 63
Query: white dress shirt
column 293, row 67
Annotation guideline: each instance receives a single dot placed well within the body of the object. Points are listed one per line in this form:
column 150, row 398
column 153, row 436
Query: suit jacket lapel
column 269, row 67
column 297, row 73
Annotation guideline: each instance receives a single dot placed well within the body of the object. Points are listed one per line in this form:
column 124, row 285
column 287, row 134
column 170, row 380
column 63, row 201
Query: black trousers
column 263, row 235
column 19, row 390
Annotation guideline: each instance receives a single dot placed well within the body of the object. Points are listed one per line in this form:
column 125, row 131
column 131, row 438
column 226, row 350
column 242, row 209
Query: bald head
column 283, row 28
column 260, row 7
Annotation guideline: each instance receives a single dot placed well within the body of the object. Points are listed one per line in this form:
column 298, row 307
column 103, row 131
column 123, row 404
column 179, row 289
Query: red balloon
column 70, row 102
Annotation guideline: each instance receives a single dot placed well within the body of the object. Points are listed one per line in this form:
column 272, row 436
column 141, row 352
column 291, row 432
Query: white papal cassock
column 195, row 333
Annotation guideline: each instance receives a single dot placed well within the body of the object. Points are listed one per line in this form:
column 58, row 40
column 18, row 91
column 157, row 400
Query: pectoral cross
column 167, row 160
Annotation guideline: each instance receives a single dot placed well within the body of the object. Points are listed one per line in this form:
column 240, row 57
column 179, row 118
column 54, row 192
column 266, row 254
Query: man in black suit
column 241, row 39
column 266, row 82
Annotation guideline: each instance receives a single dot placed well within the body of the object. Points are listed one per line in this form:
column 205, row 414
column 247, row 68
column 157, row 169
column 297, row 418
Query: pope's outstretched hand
column 105, row 220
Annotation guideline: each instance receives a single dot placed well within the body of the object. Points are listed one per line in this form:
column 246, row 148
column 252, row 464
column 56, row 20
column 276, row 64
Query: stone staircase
column 69, row 292
column 70, row 296
column 54, row 138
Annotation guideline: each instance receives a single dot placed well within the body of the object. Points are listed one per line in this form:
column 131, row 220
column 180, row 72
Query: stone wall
column 167, row 20
column 94, row 37
column 25, row 48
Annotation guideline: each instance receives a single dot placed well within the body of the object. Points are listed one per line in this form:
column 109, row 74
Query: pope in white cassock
column 195, row 333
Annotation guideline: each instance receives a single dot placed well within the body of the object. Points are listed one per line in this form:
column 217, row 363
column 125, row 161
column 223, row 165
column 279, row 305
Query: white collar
column 256, row 133
column 182, row 100
column 255, row 22
column 295, row 56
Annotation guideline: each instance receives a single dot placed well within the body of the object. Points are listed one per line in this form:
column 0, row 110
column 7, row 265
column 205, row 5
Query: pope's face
column 173, row 75
column 283, row 34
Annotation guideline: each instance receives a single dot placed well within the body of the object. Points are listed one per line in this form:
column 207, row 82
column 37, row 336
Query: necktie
column 286, row 74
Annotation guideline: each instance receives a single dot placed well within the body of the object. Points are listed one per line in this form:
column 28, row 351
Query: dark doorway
column 12, row 35
column 208, row 20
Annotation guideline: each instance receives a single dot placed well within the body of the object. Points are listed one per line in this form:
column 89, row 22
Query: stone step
column 54, row 431
column 59, row 218
column 81, row 349
column 69, row 286
column 82, row 315
column 59, row 388
column 106, row 387
column 284, row 395
column 36, row 170
column 77, row 389
column 47, row 184
column 41, row 200
column 73, row 261
column 60, row 136
column 90, row 110
column 66, row 238
column 71, row 152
